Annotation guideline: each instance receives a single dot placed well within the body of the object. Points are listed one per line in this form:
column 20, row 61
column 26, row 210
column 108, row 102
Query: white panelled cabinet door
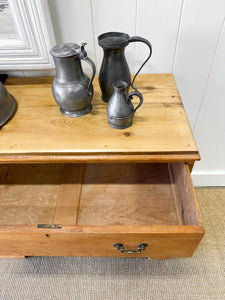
column 26, row 35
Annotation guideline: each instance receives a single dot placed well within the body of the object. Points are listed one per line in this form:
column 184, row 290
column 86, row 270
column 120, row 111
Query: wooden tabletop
column 38, row 132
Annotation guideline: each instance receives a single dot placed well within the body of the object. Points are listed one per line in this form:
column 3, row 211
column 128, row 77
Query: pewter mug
column 114, row 65
column 7, row 105
column 120, row 110
column 72, row 88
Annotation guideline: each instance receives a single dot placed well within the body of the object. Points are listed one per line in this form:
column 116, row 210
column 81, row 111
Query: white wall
column 188, row 39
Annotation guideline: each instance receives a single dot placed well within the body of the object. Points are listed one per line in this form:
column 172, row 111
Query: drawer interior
column 97, row 194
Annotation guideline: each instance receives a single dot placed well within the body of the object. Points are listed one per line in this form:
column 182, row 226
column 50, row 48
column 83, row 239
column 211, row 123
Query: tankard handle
column 139, row 95
column 83, row 56
column 140, row 39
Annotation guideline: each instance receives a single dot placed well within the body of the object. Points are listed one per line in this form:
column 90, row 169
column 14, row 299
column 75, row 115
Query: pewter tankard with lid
column 72, row 88
column 114, row 65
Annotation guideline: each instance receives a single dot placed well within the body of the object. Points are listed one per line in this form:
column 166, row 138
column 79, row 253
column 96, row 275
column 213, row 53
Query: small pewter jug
column 114, row 65
column 72, row 88
column 120, row 110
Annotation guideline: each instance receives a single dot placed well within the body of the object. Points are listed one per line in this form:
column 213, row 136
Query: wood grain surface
column 127, row 194
column 67, row 206
column 39, row 130
column 163, row 241
column 186, row 194
column 29, row 193
column 97, row 194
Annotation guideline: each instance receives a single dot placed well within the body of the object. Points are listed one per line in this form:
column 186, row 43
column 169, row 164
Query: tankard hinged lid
column 65, row 50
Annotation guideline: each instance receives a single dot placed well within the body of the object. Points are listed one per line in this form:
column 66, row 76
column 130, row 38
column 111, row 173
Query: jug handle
column 140, row 39
column 139, row 95
column 83, row 56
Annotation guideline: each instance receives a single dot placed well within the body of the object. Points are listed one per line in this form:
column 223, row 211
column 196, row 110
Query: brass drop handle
column 140, row 247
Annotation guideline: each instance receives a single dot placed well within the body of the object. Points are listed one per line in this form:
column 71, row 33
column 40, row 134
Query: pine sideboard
column 77, row 187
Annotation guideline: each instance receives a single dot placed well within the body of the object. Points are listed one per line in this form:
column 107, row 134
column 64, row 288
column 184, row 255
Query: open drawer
column 147, row 210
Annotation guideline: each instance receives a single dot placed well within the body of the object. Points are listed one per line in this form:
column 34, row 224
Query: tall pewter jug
column 72, row 88
column 114, row 65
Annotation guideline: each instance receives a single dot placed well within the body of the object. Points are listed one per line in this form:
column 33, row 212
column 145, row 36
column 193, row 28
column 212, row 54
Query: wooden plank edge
column 194, row 196
column 187, row 119
column 139, row 229
column 12, row 257
column 69, row 195
column 176, row 199
column 89, row 158
column 186, row 194
column 49, row 79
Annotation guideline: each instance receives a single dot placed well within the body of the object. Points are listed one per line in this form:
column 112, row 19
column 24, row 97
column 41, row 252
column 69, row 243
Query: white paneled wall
column 188, row 39
column 158, row 21
column 114, row 15
column 200, row 28
column 72, row 21
column 199, row 69
column 212, row 113
column 210, row 123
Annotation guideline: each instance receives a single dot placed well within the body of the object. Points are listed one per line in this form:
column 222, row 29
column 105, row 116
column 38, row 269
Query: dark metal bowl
column 7, row 105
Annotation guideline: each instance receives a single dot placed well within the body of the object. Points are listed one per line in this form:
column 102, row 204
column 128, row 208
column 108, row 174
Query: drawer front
column 162, row 241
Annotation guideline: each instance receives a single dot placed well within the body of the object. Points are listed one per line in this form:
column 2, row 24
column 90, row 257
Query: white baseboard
column 215, row 178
